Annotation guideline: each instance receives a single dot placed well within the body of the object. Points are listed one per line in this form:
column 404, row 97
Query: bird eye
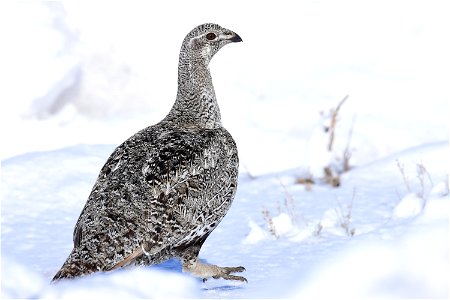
column 210, row 36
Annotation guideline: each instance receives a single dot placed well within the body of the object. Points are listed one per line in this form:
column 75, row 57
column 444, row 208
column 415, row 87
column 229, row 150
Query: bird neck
column 196, row 103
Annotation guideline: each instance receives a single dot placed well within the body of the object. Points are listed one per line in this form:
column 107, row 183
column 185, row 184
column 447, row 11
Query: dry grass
column 347, row 153
column 422, row 176
column 269, row 222
column 288, row 206
column 332, row 172
column 345, row 216
column 332, row 177
column 334, row 118
column 401, row 168
column 307, row 181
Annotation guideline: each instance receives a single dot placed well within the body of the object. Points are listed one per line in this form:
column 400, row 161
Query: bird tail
column 76, row 266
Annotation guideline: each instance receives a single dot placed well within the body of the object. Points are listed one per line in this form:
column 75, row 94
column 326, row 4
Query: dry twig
column 346, row 218
column 334, row 114
column 401, row 167
column 269, row 222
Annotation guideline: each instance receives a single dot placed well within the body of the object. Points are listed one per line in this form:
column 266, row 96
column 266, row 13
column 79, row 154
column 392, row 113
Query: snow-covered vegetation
column 78, row 79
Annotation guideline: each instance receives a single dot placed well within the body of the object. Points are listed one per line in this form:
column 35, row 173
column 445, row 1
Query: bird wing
column 155, row 191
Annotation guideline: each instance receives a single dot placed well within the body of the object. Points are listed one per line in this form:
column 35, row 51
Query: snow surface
column 81, row 78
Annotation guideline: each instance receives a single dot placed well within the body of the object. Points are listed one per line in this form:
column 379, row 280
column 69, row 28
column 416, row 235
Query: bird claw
column 233, row 269
column 234, row 277
column 226, row 274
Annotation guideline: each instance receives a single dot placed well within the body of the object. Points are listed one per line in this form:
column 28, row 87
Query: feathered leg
column 191, row 263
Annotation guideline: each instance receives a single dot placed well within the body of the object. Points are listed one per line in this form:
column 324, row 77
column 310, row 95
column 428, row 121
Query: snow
column 410, row 206
column 138, row 283
column 282, row 223
column 76, row 87
column 256, row 234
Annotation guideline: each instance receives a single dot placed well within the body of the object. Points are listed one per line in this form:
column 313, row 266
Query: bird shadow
column 222, row 288
column 173, row 265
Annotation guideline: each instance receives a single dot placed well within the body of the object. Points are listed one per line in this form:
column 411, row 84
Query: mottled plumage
column 165, row 189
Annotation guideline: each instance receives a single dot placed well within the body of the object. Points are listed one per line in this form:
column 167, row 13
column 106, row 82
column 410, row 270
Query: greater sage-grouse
column 165, row 189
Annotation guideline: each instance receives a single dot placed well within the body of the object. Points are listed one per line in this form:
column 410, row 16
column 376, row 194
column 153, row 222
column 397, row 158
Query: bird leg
column 199, row 269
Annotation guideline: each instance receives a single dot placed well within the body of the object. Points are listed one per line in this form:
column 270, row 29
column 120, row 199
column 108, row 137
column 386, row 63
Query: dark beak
column 236, row 38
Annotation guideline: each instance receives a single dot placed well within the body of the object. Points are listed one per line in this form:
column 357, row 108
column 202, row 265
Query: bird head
column 205, row 40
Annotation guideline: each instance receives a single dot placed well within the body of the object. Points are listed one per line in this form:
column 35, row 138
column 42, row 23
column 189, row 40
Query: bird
column 163, row 191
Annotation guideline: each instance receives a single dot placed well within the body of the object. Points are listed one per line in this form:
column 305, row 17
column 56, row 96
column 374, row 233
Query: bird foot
column 225, row 273
column 206, row 271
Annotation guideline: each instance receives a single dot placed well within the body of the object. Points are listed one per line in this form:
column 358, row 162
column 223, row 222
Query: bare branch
column 289, row 203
